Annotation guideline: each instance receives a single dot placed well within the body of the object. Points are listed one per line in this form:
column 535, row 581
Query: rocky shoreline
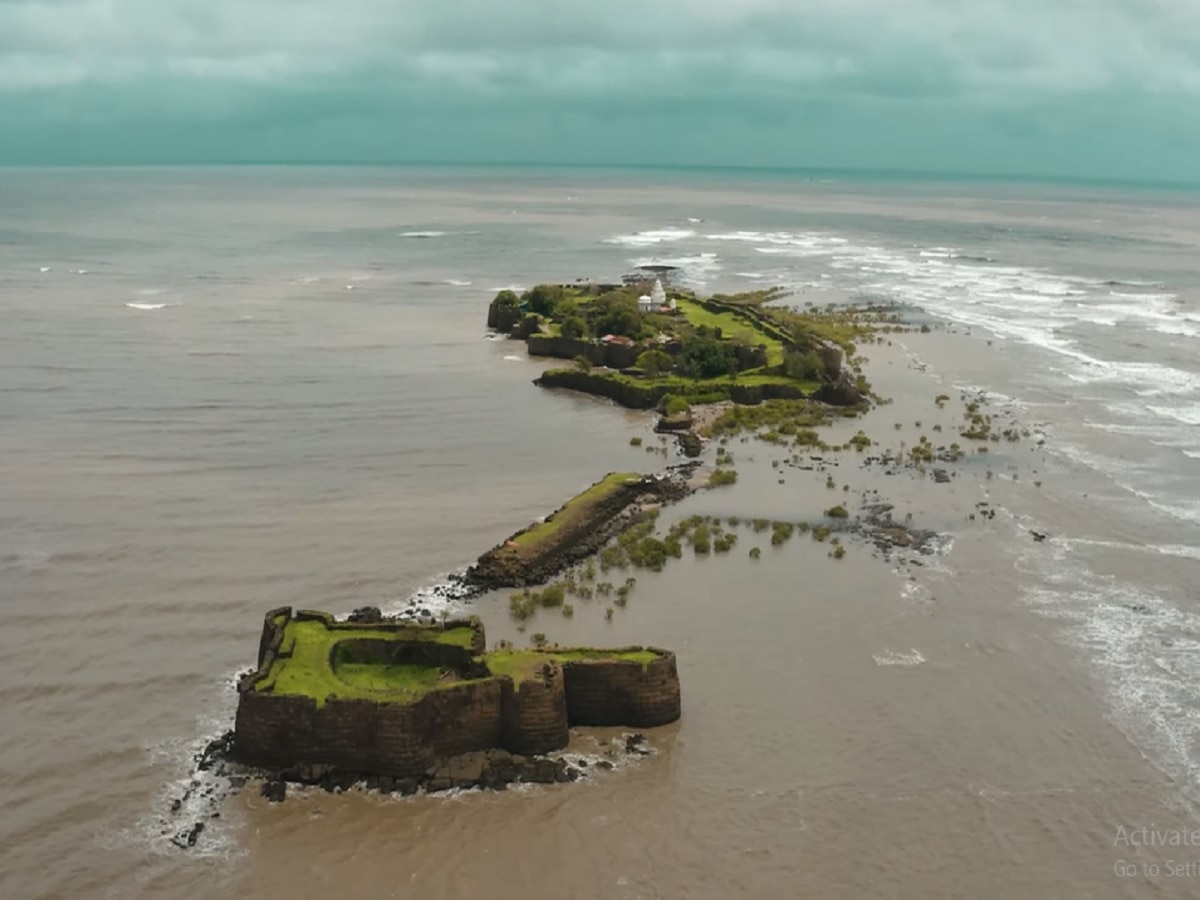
column 482, row 770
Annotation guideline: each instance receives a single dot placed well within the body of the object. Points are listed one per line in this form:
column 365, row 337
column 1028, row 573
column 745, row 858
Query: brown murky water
column 300, row 408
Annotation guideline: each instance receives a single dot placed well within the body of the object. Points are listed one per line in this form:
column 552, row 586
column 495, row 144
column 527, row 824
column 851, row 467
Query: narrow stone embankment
column 575, row 531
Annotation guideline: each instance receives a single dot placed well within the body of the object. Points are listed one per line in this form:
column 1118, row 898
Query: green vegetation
column 837, row 512
column 635, row 442
column 784, row 419
column 575, row 511
column 307, row 672
column 520, row 665
column 319, row 668
column 726, row 337
column 676, row 406
column 722, row 476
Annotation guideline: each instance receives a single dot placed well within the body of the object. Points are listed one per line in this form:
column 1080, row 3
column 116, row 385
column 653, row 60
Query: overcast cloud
column 1107, row 87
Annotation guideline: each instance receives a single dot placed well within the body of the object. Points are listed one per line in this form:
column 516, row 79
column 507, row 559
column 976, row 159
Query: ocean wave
column 1188, row 415
column 1143, row 646
column 650, row 238
column 146, row 307
column 898, row 658
column 456, row 282
column 697, row 269
column 423, row 234
column 444, row 596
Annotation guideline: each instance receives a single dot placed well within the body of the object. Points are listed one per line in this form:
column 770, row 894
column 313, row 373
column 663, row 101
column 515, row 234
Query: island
column 399, row 705
column 647, row 346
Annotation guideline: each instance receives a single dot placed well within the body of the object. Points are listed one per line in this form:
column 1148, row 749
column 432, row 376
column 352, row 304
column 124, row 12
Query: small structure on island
column 375, row 697
column 645, row 303
column 658, row 297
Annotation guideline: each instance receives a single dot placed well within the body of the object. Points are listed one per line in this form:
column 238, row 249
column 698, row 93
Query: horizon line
column 860, row 172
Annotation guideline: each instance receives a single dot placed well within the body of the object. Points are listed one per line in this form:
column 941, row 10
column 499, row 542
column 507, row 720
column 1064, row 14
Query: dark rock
column 366, row 614
column 275, row 791
column 1038, row 536
column 840, row 392
column 605, row 764
column 636, row 743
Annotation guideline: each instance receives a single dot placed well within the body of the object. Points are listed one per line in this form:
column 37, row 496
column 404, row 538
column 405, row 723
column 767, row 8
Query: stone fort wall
column 397, row 739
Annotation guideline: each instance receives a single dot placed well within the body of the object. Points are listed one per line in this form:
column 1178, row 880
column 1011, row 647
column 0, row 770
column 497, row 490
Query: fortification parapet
column 388, row 698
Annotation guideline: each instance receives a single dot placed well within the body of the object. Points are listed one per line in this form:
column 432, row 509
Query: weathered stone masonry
column 483, row 711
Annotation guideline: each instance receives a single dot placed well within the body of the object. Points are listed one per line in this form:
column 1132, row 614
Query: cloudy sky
column 1094, row 88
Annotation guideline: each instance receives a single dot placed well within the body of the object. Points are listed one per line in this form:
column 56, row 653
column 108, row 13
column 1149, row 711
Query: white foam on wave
column 1144, row 647
column 198, row 794
column 423, row 234
column 697, row 269
column 1027, row 304
column 1184, row 551
column 456, row 282
column 651, row 238
column 146, row 307
column 1188, row 415
column 44, row 269
column 898, row 658
column 445, row 596
column 511, row 358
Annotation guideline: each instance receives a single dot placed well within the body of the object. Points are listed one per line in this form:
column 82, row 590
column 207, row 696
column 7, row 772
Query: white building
column 645, row 303
column 658, row 297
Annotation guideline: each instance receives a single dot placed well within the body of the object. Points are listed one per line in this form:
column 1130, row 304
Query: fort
column 373, row 697
column 641, row 352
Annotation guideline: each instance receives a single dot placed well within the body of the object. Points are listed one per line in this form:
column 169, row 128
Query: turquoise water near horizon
column 749, row 173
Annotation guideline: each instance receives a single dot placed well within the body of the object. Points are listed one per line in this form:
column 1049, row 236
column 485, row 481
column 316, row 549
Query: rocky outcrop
column 840, row 392
column 831, row 358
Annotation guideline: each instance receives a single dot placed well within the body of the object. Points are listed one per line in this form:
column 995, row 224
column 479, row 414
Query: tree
column 803, row 365
column 574, row 327
column 704, row 356
column 507, row 300
column 616, row 313
column 583, row 363
column 543, row 298
column 655, row 362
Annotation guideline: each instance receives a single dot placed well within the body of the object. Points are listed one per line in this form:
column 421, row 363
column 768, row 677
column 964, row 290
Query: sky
column 1105, row 89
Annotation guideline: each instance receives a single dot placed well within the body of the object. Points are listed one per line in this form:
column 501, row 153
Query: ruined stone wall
column 622, row 692
column 366, row 736
column 614, row 356
column 535, row 713
column 503, row 566
column 403, row 653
